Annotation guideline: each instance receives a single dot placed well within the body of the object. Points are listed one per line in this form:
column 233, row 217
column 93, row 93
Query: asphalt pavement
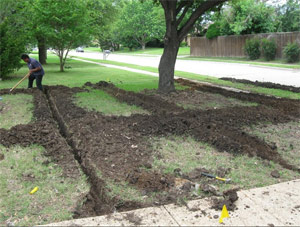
column 250, row 72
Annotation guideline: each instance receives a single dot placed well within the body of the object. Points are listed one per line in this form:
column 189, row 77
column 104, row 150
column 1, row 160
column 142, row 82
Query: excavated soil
column 113, row 148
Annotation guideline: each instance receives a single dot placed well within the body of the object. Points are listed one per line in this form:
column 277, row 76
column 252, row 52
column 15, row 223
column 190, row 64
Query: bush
column 11, row 48
column 213, row 31
column 252, row 48
column 292, row 52
column 183, row 44
column 269, row 49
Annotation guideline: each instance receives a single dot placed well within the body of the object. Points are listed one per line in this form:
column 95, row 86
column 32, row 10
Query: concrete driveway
column 215, row 69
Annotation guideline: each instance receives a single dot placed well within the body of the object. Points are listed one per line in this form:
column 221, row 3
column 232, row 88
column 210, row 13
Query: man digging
column 36, row 71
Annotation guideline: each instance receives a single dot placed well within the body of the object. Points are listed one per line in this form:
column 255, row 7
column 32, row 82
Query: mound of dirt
column 149, row 181
column 229, row 197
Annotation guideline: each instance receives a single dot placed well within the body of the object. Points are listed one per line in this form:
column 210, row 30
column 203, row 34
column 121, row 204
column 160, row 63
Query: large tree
column 288, row 16
column 177, row 27
column 246, row 17
column 141, row 22
column 65, row 24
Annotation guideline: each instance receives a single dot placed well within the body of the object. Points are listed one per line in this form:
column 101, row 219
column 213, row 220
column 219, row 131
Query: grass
column 78, row 73
column 147, row 51
column 22, row 169
column 279, row 63
column 102, row 102
column 209, row 79
column 286, row 137
column 188, row 154
column 15, row 109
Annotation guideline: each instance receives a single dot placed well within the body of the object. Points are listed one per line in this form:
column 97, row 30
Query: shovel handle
column 17, row 84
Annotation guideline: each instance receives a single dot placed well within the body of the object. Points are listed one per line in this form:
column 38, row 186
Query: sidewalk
column 275, row 205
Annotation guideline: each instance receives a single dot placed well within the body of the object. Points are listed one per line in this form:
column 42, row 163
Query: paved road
column 215, row 69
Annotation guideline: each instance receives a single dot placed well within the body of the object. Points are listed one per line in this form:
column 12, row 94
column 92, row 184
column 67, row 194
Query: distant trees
column 288, row 16
column 240, row 17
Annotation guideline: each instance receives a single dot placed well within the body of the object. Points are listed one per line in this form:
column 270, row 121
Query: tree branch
column 181, row 5
column 202, row 8
column 187, row 6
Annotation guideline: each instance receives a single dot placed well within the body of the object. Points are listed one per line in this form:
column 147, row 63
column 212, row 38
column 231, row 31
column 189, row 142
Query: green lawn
column 78, row 73
column 15, row 109
column 187, row 154
column 102, row 102
column 209, row 79
column 23, row 169
column 280, row 63
column 147, row 51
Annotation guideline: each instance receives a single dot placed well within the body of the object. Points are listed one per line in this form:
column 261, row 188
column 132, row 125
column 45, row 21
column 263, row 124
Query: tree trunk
column 61, row 55
column 167, row 62
column 166, row 66
column 42, row 50
column 143, row 46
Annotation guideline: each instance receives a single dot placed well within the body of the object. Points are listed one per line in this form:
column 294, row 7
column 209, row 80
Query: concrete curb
column 267, row 206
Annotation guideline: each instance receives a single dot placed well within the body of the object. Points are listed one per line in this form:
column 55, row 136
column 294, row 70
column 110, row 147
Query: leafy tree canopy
column 142, row 22
column 66, row 24
column 288, row 16
column 246, row 17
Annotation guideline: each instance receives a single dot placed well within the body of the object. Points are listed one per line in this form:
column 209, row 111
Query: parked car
column 79, row 49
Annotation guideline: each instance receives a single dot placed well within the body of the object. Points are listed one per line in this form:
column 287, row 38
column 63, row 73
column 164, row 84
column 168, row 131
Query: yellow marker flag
column 224, row 214
column 34, row 190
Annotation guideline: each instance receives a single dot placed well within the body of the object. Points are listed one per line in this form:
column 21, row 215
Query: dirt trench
column 111, row 148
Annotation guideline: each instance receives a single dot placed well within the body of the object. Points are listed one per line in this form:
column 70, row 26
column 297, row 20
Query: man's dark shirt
column 32, row 64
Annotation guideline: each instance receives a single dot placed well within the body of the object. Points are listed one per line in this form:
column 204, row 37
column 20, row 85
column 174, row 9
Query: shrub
column 269, row 49
column 252, row 48
column 292, row 52
column 213, row 31
column 11, row 48
column 183, row 44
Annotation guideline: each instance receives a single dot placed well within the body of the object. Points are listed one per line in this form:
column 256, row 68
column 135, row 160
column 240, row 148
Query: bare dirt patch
column 118, row 149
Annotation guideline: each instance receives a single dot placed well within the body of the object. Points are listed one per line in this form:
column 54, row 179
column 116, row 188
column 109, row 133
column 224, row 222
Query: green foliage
column 213, row 31
column 288, row 16
column 246, row 17
column 140, row 23
column 104, row 14
column 292, row 52
column 14, row 35
column 183, row 44
column 269, row 49
column 65, row 24
column 252, row 48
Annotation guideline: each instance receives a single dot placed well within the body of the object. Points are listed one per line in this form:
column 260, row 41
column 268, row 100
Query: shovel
column 17, row 84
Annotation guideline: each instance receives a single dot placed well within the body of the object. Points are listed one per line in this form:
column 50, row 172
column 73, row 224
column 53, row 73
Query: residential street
column 216, row 69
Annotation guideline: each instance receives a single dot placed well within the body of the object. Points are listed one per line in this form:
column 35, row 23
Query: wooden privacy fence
column 233, row 46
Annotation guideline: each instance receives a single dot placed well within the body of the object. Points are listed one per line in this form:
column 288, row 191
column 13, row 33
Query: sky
column 276, row 2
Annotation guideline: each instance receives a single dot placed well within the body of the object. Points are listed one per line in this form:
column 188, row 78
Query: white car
column 79, row 49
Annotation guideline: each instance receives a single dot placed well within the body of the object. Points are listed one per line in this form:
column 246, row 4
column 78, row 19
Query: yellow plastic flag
column 224, row 214
column 34, row 190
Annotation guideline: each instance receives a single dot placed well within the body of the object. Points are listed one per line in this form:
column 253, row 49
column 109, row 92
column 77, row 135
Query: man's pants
column 38, row 81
